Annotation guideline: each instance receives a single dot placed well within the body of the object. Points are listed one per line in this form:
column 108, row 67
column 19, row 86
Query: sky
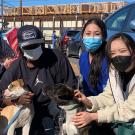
column 15, row 3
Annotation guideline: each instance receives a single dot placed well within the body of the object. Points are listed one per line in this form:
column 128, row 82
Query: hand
column 82, row 98
column 82, row 119
column 25, row 98
column 7, row 63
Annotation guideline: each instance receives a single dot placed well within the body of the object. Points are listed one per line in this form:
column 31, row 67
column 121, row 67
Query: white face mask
column 33, row 54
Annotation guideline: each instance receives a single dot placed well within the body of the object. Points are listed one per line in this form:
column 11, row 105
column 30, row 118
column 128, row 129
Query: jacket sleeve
column 2, row 70
column 102, row 100
column 65, row 73
column 119, row 112
column 8, row 76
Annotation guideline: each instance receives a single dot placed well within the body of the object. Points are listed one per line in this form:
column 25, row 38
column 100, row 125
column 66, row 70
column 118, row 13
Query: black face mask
column 121, row 63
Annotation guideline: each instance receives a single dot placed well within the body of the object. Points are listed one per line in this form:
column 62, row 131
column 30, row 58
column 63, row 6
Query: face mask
column 33, row 54
column 92, row 43
column 121, row 63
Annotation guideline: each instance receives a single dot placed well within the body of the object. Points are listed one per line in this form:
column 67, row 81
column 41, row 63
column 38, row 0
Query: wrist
column 88, row 103
column 94, row 116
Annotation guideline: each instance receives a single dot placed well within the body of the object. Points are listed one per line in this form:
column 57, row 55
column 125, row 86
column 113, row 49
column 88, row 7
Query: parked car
column 65, row 37
column 123, row 20
column 75, row 46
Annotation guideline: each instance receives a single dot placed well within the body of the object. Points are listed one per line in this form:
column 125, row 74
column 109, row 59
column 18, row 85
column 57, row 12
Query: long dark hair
column 128, row 40
column 98, row 55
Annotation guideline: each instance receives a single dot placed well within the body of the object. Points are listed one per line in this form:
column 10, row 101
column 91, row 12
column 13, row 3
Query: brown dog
column 25, row 113
column 64, row 97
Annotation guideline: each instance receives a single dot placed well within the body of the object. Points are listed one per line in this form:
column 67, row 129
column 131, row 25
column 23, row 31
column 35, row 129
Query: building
column 57, row 17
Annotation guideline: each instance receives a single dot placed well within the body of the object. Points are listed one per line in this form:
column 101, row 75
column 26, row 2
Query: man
column 38, row 67
column 54, row 37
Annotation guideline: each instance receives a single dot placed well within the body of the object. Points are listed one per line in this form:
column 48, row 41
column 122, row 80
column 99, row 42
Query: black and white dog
column 64, row 97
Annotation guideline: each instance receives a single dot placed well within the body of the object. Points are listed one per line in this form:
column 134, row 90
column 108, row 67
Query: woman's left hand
column 82, row 119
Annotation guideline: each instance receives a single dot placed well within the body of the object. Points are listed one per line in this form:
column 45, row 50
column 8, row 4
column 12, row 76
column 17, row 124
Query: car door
column 129, row 27
column 76, row 45
column 115, row 23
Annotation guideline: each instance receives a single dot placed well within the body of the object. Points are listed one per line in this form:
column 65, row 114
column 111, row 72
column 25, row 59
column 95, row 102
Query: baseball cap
column 29, row 35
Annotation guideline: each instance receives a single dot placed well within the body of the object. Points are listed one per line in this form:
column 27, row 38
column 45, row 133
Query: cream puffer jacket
column 114, row 105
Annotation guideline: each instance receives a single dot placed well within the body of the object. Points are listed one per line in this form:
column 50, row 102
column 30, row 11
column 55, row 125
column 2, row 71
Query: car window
column 131, row 19
column 78, row 35
column 116, row 21
column 72, row 33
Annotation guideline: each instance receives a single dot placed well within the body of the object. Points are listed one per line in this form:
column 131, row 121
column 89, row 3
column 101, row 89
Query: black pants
column 101, row 129
column 44, row 120
column 44, row 126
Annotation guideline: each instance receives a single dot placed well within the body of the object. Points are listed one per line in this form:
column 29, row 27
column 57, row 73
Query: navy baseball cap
column 29, row 35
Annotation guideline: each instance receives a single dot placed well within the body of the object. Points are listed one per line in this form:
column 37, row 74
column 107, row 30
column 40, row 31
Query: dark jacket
column 2, row 70
column 52, row 67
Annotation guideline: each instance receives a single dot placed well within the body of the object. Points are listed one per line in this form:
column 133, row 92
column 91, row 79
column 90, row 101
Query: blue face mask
column 92, row 43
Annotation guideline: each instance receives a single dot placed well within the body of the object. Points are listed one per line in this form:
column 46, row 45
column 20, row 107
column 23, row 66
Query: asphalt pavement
column 75, row 65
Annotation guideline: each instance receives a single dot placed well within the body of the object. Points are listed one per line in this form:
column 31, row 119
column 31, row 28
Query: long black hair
column 128, row 40
column 99, row 54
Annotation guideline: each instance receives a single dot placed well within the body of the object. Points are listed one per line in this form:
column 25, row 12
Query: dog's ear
column 63, row 87
column 48, row 90
column 21, row 82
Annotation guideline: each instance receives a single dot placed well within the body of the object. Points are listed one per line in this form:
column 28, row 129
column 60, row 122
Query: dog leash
column 12, row 120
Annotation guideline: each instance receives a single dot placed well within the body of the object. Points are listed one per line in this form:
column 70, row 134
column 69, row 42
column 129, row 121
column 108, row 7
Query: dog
column 64, row 97
column 15, row 116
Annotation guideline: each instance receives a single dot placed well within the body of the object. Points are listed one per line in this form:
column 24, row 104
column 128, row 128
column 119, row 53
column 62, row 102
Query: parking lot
column 75, row 65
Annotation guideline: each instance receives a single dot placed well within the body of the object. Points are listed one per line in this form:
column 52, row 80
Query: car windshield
column 77, row 36
column 72, row 33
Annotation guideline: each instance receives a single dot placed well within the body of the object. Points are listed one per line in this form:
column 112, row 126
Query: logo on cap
column 29, row 34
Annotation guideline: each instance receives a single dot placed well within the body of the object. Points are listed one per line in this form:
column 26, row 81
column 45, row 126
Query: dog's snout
column 6, row 93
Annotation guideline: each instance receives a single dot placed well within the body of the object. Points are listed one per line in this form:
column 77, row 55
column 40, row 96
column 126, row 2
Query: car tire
column 79, row 52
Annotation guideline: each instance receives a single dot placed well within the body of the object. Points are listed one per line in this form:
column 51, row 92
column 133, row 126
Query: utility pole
column 21, row 12
column 2, row 17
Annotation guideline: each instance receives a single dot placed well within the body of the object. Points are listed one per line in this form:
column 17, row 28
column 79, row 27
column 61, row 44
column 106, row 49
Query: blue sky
column 13, row 3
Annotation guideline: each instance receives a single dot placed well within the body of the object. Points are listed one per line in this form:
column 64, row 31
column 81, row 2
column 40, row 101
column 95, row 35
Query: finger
column 79, row 123
column 76, row 91
column 26, row 103
column 79, row 113
column 78, row 96
column 76, row 119
column 27, row 96
column 83, row 125
column 30, row 93
column 27, row 100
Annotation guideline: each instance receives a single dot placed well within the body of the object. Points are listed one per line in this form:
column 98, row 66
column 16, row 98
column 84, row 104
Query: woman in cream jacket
column 117, row 102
